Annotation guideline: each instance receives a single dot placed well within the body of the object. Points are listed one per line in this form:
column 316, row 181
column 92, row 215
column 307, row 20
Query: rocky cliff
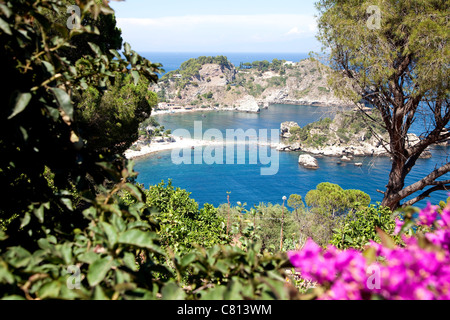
column 221, row 84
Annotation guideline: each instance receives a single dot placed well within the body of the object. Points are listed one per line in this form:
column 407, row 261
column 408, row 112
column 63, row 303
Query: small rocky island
column 348, row 135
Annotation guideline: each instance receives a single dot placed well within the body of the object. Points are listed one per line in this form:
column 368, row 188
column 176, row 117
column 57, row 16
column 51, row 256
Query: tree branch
column 426, row 194
column 428, row 180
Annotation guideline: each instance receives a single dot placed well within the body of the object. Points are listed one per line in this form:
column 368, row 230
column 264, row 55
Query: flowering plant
column 420, row 270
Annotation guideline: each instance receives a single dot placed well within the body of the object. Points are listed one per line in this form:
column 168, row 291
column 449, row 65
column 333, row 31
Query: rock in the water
column 308, row 161
column 358, row 164
column 345, row 158
column 248, row 104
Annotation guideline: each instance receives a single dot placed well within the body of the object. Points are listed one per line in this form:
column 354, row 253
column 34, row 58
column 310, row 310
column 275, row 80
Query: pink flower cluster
column 418, row 271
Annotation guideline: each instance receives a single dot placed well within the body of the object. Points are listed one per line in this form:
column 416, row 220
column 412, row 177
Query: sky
column 218, row 26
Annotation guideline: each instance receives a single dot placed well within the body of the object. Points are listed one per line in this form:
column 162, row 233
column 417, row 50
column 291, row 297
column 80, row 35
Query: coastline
column 185, row 143
column 172, row 111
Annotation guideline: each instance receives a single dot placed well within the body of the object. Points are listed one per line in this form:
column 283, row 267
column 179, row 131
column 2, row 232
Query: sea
column 211, row 183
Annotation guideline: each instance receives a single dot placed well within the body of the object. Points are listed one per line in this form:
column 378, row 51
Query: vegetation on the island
column 400, row 67
column 190, row 70
column 276, row 65
column 347, row 127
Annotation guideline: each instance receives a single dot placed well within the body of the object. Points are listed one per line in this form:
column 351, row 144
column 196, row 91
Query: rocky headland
column 347, row 136
column 214, row 82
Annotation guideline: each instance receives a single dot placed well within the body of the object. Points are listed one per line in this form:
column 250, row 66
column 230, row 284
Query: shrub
column 359, row 228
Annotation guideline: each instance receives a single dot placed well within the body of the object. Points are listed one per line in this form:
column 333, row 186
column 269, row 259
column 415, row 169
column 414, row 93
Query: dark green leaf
column 50, row 290
column 25, row 220
column 136, row 76
column 22, row 101
column 187, row 259
column 95, row 48
column 97, row 271
column 172, row 292
column 5, row 27
column 111, row 233
column 49, row 67
column 139, row 239
column 64, row 101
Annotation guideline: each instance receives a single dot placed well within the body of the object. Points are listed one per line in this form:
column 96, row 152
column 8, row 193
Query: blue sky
column 218, row 26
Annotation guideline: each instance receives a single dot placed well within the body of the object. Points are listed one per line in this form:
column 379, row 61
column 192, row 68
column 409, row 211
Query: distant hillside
column 216, row 82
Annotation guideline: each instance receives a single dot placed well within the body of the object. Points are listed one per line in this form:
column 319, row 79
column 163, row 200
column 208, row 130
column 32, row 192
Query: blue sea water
column 210, row 183
column 172, row 60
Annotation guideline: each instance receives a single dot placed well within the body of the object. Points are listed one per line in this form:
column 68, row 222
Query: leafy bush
column 183, row 226
column 295, row 130
column 359, row 228
column 231, row 273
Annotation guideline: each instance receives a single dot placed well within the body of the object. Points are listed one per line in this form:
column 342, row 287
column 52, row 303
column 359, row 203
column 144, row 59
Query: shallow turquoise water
column 210, row 183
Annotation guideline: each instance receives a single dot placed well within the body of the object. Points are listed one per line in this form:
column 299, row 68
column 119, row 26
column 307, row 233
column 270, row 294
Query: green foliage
column 110, row 37
column 360, row 227
column 295, row 130
column 331, row 199
column 208, row 95
column 38, row 125
column 276, row 82
column 183, row 225
column 323, row 90
column 110, row 121
column 261, row 224
column 262, row 66
column 230, row 273
column 190, row 68
column 109, row 251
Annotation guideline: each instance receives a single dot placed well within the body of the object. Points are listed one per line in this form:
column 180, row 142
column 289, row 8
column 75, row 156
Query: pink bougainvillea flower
column 428, row 215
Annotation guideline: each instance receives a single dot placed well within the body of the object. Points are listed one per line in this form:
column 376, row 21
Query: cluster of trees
column 350, row 126
column 264, row 65
column 323, row 211
column 190, row 68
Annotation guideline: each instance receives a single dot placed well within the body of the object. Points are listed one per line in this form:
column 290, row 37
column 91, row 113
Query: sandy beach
column 180, row 143
column 184, row 143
